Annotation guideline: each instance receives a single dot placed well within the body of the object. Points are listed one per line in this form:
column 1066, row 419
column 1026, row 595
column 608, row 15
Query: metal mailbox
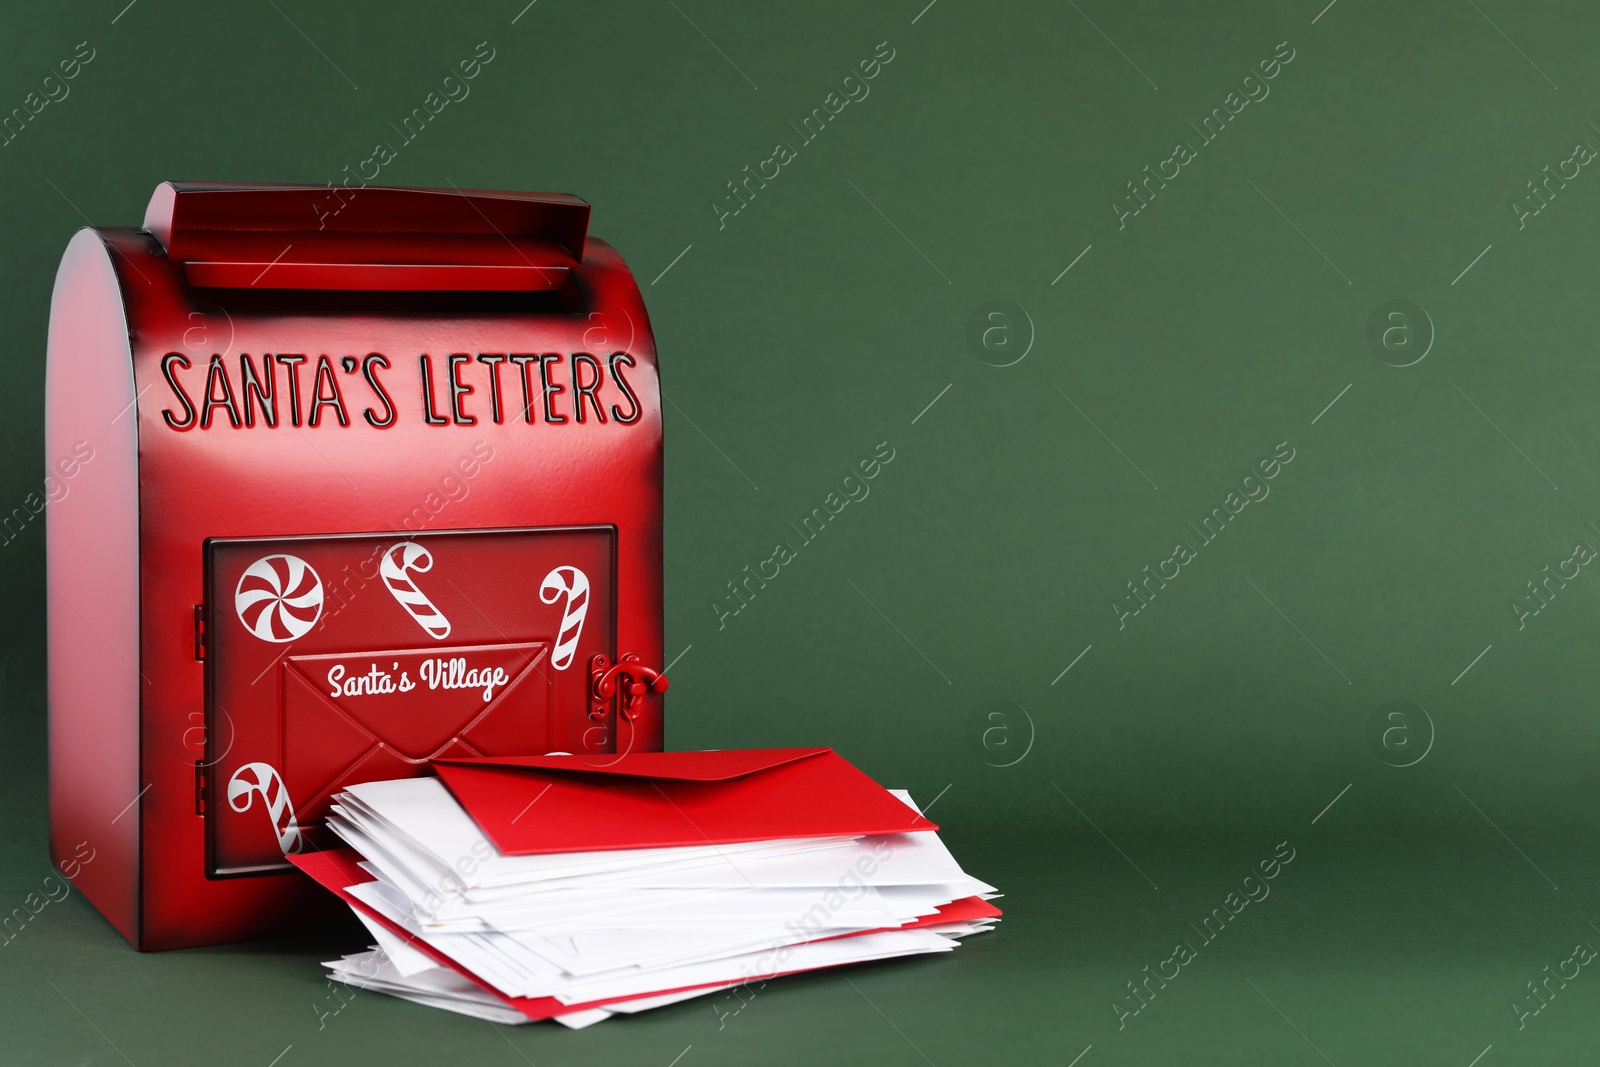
column 375, row 478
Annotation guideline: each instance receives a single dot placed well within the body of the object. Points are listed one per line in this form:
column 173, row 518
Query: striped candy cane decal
column 574, row 585
column 263, row 778
column 410, row 556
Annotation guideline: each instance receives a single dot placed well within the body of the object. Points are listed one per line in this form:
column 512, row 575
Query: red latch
column 629, row 675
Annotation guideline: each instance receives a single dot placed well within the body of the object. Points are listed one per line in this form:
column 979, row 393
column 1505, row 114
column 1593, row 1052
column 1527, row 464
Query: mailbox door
column 339, row 659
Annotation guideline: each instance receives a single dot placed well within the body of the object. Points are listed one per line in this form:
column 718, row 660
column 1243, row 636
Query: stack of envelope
column 579, row 887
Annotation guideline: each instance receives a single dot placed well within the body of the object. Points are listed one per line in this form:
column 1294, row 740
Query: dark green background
column 821, row 321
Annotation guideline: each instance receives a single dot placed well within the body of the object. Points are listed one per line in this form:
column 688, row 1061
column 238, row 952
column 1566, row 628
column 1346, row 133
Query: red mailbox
column 373, row 477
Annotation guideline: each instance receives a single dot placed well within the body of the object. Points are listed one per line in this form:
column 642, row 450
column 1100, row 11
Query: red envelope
column 539, row 804
column 338, row 869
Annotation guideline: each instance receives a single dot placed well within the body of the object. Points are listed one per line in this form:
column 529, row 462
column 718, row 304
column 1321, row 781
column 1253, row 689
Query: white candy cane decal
column 263, row 778
column 410, row 556
column 574, row 585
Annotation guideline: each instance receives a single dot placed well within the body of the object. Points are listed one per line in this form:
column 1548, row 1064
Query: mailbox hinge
column 200, row 631
column 199, row 787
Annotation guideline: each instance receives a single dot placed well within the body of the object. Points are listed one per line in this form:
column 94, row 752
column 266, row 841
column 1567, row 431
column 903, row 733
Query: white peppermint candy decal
column 263, row 778
column 279, row 598
column 410, row 556
column 573, row 584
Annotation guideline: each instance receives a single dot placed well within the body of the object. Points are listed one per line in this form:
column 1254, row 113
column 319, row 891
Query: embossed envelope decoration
column 432, row 711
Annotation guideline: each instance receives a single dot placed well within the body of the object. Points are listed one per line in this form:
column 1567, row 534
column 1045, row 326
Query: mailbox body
column 363, row 487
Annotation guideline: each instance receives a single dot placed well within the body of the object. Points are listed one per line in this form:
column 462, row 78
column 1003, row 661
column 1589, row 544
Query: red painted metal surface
column 385, row 478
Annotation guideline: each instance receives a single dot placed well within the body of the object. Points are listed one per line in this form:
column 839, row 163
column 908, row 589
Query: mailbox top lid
column 395, row 237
